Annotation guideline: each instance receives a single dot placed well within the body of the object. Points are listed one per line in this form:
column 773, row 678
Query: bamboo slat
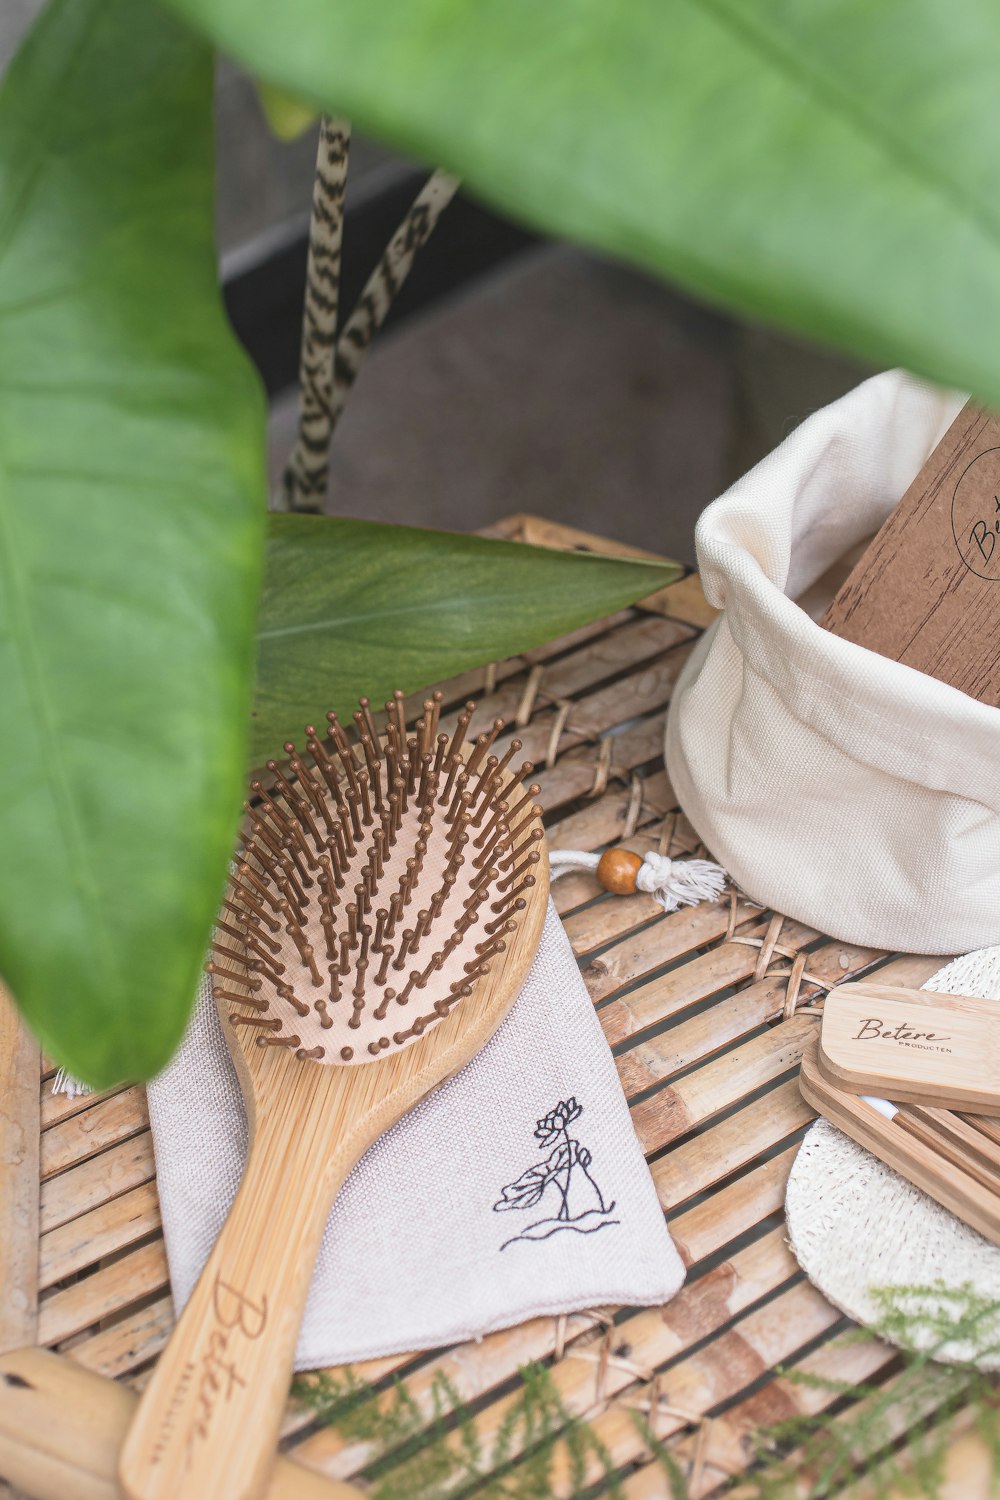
column 630, row 953
column 696, row 1005
column 103, row 1231
column 701, row 977
column 576, row 773
column 107, row 1291
column 709, row 1157
column 694, row 1099
column 594, row 713
column 97, row 1180
column 59, row 1107
column 92, row 1130
column 600, row 822
column 733, row 1210
column 692, row 1040
column 130, row 1342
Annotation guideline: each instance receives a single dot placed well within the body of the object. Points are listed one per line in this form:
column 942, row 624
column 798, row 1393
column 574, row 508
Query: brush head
column 376, row 883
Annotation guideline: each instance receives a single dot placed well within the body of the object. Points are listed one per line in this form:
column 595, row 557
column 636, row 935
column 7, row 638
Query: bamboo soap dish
column 952, row 1155
column 914, row 1076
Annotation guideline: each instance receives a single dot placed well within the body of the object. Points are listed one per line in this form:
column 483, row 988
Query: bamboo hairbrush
column 388, row 900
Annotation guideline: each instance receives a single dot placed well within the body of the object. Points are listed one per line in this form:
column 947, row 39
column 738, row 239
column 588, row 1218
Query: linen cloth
column 848, row 791
column 415, row 1253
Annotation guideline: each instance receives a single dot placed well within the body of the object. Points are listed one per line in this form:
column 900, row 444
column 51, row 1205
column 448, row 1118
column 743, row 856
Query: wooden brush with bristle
column 387, row 899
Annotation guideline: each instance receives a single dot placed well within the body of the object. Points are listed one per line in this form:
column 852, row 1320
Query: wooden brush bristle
column 376, row 879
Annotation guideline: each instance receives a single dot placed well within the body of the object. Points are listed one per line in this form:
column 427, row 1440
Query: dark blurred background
column 514, row 374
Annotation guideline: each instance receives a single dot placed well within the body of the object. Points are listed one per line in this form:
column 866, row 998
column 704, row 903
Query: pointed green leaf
column 354, row 607
column 831, row 165
column 131, row 521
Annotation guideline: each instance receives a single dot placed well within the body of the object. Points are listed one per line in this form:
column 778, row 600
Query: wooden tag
column 913, row 1046
column 927, row 590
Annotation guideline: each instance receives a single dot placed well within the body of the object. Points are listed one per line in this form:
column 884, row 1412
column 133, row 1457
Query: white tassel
column 65, row 1083
column 680, row 882
column 673, row 882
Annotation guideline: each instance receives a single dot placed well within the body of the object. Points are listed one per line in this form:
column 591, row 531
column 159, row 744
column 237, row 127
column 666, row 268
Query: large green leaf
column 832, row 165
column 131, row 521
column 353, row 607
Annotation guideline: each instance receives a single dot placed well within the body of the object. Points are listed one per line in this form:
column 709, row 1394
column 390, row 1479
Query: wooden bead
column 618, row 869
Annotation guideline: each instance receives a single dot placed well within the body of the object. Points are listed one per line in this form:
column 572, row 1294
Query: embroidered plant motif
column 578, row 1201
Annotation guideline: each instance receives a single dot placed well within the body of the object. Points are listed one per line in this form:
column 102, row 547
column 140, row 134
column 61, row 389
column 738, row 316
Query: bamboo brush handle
column 208, row 1423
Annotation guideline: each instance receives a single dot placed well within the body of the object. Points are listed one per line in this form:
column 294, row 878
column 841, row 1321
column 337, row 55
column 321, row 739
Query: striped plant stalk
column 329, row 364
column 304, row 483
column 385, row 282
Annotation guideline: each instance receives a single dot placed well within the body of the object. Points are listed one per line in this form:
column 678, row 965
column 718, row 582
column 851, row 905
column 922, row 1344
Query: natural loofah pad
column 855, row 1224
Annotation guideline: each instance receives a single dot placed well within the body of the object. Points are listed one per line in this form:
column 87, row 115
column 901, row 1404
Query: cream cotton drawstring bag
column 843, row 789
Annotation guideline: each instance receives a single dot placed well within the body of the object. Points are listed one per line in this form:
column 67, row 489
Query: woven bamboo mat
column 707, row 1010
